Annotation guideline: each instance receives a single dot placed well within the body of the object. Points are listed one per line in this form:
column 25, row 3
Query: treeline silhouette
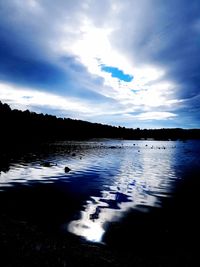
column 29, row 127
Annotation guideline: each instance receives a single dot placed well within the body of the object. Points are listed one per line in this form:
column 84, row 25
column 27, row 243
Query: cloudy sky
column 134, row 63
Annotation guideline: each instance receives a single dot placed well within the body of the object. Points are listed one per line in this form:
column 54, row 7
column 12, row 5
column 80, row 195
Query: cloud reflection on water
column 108, row 177
column 142, row 177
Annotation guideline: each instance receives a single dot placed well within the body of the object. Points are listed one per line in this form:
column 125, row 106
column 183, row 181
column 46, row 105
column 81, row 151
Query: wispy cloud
column 74, row 107
column 155, row 116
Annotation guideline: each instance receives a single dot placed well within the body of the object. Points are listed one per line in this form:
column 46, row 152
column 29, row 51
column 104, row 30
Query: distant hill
column 29, row 127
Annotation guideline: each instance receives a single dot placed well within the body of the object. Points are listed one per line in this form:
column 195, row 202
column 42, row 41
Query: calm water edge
column 110, row 182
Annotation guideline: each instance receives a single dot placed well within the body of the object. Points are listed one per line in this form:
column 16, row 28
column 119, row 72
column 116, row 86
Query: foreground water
column 107, row 180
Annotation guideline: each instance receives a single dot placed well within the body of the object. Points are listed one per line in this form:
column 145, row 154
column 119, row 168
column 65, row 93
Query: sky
column 132, row 63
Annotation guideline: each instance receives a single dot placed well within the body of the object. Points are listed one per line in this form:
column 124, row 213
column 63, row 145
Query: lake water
column 108, row 180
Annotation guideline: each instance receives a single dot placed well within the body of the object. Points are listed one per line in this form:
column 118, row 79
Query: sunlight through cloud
column 61, row 47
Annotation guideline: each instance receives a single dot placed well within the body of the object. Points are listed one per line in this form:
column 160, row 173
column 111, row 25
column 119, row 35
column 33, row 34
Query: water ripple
column 110, row 177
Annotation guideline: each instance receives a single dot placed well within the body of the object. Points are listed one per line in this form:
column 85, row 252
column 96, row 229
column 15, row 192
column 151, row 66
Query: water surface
column 108, row 179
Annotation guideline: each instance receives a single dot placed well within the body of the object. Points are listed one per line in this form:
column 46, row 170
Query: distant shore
column 25, row 127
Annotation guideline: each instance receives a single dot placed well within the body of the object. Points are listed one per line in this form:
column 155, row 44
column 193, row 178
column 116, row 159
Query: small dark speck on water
column 67, row 169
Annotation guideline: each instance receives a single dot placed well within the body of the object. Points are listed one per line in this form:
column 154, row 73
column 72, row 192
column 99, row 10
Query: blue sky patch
column 117, row 73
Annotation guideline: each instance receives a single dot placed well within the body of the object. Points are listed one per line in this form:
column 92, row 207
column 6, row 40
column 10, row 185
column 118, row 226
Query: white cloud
column 155, row 116
column 124, row 35
column 31, row 98
column 26, row 97
column 94, row 46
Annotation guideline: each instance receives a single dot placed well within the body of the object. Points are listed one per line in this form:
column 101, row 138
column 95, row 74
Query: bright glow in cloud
column 61, row 46
column 94, row 49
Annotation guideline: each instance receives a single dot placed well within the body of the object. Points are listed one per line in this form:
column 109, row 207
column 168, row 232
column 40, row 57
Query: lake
column 112, row 191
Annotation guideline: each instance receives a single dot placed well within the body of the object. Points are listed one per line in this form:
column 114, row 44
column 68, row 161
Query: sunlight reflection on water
column 109, row 176
column 142, row 176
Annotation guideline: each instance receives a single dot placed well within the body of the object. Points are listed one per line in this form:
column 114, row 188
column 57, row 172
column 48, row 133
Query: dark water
column 116, row 190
